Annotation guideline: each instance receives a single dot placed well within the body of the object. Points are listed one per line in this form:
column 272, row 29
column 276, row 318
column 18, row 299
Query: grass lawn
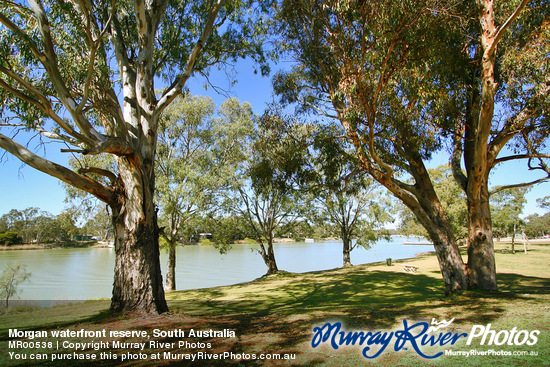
column 277, row 314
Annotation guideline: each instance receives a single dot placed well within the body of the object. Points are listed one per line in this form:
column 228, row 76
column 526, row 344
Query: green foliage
column 179, row 25
column 452, row 199
column 198, row 147
column 228, row 230
column 22, row 222
column 35, row 225
column 12, row 276
column 99, row 223
column 408, row 223
column 367, row 65
column 276, row 161
column 206, row 242
column 163, row 243
column 84, row 74
column 506, row 208
column 537, row 225
column 544, row 202
column 279, row 154
column 346, row 197
column 10, row 238
column 357, row 64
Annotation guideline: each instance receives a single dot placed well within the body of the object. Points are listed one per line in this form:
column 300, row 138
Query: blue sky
column 22, row 187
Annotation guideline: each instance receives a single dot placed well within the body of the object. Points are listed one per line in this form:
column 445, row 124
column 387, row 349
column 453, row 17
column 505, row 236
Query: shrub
column 10, row 238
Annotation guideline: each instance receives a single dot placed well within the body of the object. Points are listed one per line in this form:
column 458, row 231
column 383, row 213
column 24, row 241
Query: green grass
column 277, row 313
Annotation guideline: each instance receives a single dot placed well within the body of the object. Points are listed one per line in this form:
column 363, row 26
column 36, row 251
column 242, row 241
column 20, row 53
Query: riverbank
column 53, row 246
column 25, row 247
column 277, row 314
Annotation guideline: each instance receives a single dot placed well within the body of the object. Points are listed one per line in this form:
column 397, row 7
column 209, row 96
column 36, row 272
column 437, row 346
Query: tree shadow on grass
column 277, row 314
column 517, row 283
column 90, row 312
column 361, row 300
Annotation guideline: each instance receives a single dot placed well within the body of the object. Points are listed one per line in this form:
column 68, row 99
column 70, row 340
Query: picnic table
column 410, row 268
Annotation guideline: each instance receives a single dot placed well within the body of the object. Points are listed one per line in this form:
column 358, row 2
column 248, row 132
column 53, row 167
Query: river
column 80, row 274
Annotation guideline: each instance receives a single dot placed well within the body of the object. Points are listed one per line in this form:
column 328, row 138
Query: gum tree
column 184, row 137
column 506, row 207
column 197, row 144
column 503, row 114
column 345, row 195
column 407, row 79
column 264, row 191
column 366, row 66
column 84, row 73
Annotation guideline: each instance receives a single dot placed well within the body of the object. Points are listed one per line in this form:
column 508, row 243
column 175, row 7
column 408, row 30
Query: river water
column 80, row 274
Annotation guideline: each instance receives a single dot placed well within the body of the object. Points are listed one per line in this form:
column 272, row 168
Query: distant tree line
column 538, row 225
column 32, row 225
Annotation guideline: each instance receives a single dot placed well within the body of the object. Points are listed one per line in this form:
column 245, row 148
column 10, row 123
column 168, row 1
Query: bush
column 10, row 278
column 10, row 238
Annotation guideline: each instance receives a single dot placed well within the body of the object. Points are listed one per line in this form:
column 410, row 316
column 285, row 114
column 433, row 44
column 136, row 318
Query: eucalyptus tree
column 50, row 228
column 83, row 73
column 405, row 78
column 22, row 221
column 345, row 195
column 366, row 66
column 503, row 113
column 359, row 212
column 193, row 155
column 264, row 191
column 98, row 223
column 183, row 139
column 537, row 225
column 506, row 208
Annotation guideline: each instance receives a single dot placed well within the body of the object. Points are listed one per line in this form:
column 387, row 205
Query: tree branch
column 519, row 156
column 94, row 44
column 52, row 68
column 45, row 106
column 99, row 171
column 523, row 184
column 175, row 89
column 64, row 174
column 13, row 27
column 509, row 21
column 458, row 151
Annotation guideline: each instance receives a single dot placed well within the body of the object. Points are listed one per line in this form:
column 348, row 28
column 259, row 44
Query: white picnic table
column 410, row 268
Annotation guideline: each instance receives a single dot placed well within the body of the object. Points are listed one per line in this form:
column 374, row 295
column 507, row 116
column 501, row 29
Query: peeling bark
column 101, row 123
column 138, row 280
column 480, row 154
